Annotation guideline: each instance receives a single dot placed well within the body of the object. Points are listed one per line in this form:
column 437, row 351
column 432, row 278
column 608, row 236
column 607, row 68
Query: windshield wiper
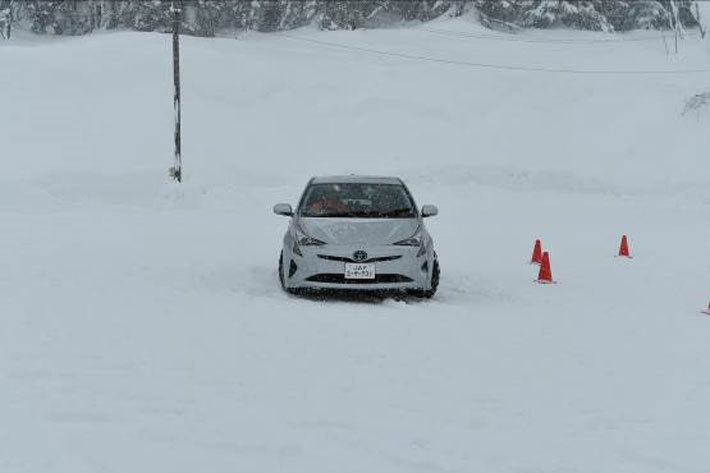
column 405, row 212
column 339, row 215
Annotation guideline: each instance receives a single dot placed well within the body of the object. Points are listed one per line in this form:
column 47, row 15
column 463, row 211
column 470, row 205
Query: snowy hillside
column 143, row 329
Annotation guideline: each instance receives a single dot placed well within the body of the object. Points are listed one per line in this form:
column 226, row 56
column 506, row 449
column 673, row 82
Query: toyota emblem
column 360, row 255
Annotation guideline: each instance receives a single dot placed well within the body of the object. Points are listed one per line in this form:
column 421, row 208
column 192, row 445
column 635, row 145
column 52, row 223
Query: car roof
column 354, row 178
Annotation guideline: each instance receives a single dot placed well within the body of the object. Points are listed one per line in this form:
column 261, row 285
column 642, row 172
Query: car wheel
column 428, row 294
column 435, row 273
column 281, row 271
column 281, row 276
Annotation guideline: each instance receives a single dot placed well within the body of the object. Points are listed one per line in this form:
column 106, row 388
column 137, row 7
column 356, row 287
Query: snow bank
column 143, row 327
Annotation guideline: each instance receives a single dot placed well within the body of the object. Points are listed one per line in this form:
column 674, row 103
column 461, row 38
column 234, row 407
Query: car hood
column 345, row 231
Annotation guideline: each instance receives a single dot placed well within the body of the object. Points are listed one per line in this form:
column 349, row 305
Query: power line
column 502, row 67
column 514, row 39
column 102, row 14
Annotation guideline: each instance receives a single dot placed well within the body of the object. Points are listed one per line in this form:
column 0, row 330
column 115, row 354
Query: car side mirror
column 283, row 209
column 429, row 211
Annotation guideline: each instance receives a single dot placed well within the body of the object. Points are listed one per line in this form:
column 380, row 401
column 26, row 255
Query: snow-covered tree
column 210, row 17
column 600, row 15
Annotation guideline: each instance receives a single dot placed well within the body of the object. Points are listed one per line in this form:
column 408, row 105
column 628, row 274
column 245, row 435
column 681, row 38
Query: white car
column 358, row 233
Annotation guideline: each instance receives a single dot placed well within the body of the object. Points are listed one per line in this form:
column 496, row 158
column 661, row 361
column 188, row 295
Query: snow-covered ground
column 143, row 329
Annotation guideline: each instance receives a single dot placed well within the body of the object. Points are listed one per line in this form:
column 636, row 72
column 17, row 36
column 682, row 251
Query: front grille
column 342, row 259
column 336, row 278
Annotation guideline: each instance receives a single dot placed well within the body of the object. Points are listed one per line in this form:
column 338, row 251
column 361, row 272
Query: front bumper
column 323, row 267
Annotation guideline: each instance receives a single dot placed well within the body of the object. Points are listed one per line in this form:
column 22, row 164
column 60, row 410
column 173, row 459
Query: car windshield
column 357, row 200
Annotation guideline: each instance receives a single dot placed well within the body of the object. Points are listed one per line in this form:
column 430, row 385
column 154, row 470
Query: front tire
column 282, row 278
column 281, row 271
column 435, row 274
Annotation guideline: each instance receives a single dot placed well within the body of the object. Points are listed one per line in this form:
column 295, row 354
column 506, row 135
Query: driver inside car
column 328, row 203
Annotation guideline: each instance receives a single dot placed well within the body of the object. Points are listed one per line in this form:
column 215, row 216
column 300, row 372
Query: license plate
column 359, row 271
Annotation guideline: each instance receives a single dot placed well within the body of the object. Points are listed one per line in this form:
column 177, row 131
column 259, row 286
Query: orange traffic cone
column 706, row 311
column 545, row 274
column 537, row 253
column 624, row 247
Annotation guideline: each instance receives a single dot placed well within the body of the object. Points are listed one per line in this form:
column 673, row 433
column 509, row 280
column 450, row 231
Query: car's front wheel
column 281, row 271
column 282, row 278
column 435, row 274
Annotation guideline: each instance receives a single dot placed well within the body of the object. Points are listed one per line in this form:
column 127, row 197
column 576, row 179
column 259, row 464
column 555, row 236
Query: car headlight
column 417, row 241
column 304, row 240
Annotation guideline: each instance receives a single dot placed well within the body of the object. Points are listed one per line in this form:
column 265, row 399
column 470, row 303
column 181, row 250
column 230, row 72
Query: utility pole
column 176, row 10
